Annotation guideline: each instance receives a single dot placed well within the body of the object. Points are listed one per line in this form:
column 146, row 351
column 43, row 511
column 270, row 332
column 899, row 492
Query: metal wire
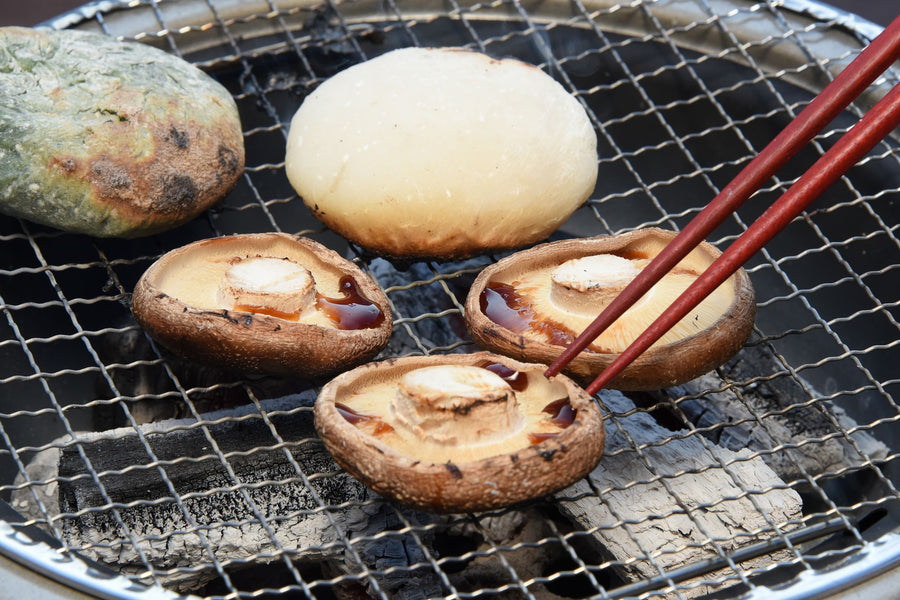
column 682, row 93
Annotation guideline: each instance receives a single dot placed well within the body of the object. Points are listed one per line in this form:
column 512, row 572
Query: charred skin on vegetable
column 110, row 138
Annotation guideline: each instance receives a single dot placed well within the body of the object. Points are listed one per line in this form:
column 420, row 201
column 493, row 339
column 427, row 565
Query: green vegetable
column 110, row 138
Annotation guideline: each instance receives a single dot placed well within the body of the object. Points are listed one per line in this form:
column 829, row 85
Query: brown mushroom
column 532, row 304
column 460, row 432
column 263, row 303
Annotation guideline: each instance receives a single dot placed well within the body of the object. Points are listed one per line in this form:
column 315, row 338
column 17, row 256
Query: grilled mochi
column 110, row 138
column 461, row 432
column 532, row 304
column 263, row 303
column 441, row 153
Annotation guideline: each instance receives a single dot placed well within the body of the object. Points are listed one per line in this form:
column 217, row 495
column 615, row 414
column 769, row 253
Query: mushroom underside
column 532, row 304
column 473, row 458
column 263, row 303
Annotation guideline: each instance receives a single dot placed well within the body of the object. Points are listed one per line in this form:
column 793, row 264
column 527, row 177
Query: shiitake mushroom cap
column 522, row 473
column 663, row 365
column 255, row 342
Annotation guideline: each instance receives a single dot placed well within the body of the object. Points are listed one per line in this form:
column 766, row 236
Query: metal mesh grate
column 778, row 465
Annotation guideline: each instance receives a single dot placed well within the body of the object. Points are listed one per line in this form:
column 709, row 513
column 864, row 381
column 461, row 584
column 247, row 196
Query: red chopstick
column 856, row 77
column 874, row 126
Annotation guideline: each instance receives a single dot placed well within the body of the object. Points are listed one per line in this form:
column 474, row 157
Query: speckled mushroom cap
column 530, row 305
column 462, row 461
column 192, row 302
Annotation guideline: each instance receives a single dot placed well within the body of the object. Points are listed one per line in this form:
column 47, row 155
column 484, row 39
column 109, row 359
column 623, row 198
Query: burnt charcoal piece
column 251, row 503
column 776, row 412
column 672, row 510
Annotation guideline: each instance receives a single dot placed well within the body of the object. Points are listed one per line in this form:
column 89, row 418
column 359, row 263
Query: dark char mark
column 547, row 454
column 179, row 194
column 179, row 139
column 454, row 470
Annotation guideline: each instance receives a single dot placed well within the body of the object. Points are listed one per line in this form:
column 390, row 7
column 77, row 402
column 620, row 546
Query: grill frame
column 98, row 15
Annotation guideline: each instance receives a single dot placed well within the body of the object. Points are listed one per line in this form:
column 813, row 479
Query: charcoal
column 523, row 534
column 149, row 386
column 788, row 418
column 399, row 558
column 249, row 510
column 437, row 322
column 645, row 524
column 220, row 507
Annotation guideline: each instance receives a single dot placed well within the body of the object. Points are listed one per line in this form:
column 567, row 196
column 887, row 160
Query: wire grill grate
column 780, row 463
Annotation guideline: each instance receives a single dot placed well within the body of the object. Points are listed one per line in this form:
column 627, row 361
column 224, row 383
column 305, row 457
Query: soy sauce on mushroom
column 459, row 432
column 531, row 304
column 263, row 303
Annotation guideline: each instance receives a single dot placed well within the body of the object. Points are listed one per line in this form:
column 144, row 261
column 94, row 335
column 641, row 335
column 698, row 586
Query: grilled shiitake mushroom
column 441, row 153
column 532, row 304
column 263, row 303
column 461, row 432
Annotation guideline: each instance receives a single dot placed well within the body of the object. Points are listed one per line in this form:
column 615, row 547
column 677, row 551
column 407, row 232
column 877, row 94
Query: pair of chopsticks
column 874, row 60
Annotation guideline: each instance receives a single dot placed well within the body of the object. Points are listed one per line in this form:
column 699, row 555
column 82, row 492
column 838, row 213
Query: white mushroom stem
column 581, row 288
column 453, row 405
column 584, row 285
column 274, row 285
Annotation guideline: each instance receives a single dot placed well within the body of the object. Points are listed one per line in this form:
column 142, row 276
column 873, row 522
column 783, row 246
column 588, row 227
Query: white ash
column 175, row 552
column 781, row 412
column 655, row 530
